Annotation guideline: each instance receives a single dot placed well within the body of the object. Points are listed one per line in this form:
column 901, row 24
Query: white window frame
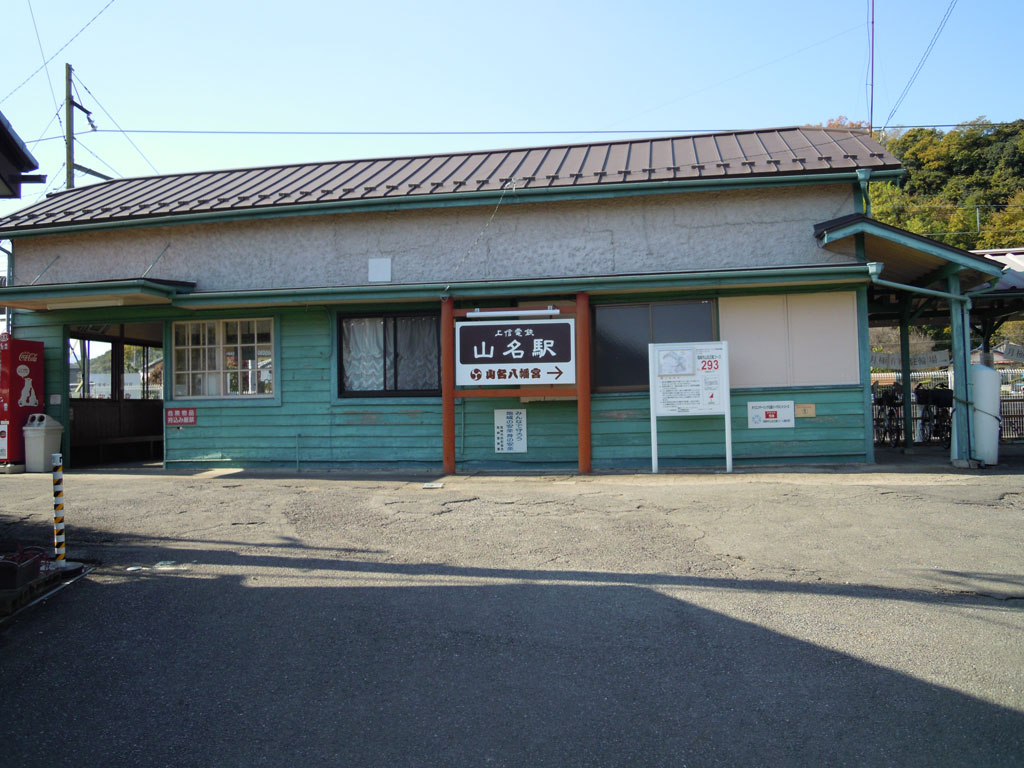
column 207, row 381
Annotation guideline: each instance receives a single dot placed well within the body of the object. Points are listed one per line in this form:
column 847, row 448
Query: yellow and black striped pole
column 58, row 509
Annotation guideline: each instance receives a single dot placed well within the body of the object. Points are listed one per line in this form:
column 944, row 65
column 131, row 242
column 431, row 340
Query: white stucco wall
column 658, row 233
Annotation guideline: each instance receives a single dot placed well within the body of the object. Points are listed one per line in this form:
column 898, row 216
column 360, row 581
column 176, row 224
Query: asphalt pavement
column 826, row 617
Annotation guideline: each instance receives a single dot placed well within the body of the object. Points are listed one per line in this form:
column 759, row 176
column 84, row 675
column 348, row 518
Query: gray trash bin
column 42, row 440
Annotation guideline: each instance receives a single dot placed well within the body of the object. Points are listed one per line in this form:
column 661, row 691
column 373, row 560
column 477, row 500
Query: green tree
column 963, row 187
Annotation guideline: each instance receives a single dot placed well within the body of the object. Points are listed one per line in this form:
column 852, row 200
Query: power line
column 738, row 75
column 511, row 132
column 924, row 58
column 83, row 146
column 913, row 207
column 119, row 128
column 69, row 42
column 42, row 55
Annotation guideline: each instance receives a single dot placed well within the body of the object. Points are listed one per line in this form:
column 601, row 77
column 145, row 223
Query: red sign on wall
column 180, row 417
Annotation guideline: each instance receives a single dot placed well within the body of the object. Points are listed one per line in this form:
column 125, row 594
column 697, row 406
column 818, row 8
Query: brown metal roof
column 746, row 154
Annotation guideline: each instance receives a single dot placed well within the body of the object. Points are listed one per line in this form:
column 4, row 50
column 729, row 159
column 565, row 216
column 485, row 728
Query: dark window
column 393, row 354
column 622, row 333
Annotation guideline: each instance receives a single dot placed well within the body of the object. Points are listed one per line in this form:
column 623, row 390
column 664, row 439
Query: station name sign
column 509, row 352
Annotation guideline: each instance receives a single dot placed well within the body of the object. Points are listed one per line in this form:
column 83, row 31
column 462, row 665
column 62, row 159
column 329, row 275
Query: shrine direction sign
column 510, row 353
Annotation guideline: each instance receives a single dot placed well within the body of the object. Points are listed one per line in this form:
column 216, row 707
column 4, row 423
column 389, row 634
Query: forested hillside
column 964, row 187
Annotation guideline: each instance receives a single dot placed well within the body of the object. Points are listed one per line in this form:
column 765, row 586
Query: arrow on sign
column 558, row 375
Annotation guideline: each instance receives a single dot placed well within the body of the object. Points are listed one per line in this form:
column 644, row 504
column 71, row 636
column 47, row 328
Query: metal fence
column 888, row 407
column 1011, row 410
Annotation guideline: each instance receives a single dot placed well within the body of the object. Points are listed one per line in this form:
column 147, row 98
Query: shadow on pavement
column 174, row 670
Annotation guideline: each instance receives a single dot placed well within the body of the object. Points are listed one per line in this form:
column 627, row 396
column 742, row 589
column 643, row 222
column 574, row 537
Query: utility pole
column 69, row 129
column 871, row 106
column 70, row 105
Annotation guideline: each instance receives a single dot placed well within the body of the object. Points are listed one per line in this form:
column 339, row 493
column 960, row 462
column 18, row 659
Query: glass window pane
column 621, row 336
column 195, row 334
column 685, row 321
column 75, row 357
column 266, row 381
column 180, row 334
column 230, row 333
column 264, row 331
column 247, row 330
column 181, row 385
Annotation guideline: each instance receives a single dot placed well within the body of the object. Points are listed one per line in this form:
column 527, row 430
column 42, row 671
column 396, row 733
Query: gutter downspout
column 863, row 176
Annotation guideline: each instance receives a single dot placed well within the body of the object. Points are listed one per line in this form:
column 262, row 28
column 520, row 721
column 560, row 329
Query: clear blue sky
column 530, row 65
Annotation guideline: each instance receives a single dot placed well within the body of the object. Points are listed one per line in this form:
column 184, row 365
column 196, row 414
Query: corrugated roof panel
column 338, row 182
column 349, row 186
column 418, row 183
column 442, row 178
column 373, row 183
column 256, row 185
column 571, row 169
column 547, row 171
column 505, row 171
column 725, row 154
column 662, row 161
column 227, row 189
column 593, row 170
column 638, row 161
column 528, row 174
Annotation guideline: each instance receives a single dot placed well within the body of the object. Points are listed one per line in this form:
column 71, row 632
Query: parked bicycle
column 889, row 416
column 936, row 405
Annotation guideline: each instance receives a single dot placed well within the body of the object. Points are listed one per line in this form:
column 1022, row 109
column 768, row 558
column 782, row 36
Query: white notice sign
column 689, row 379
column 510, row 430
column 775, row 414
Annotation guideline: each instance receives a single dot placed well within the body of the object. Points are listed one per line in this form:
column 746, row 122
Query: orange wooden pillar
column 583, row 382
column 448, row 384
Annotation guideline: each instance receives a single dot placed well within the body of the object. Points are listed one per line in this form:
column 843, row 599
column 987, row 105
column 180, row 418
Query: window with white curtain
column 390, row 354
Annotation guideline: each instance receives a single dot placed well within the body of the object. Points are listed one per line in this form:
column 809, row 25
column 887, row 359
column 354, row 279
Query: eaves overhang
column 86, row 295
column 907, row 257
column 707, row 282
column 445, row 200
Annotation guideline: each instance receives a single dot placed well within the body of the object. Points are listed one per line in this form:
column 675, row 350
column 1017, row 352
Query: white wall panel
column 791, row 340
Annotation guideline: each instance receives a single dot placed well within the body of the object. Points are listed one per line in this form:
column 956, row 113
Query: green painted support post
column 865, row 373
column 908, row 406
column 961, row 357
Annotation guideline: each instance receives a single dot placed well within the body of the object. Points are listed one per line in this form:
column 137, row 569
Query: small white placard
column 379, row 271
column 773, row 414
column 54, row 399
column 510, row 430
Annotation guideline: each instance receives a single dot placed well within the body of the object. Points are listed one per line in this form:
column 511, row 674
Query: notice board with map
column 689, row 379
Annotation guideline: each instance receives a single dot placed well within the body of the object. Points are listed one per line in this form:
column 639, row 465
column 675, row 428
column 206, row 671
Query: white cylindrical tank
column 985, row 383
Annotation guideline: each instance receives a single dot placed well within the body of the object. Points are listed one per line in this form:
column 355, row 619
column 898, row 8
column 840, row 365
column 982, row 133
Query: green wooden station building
column 307, row 315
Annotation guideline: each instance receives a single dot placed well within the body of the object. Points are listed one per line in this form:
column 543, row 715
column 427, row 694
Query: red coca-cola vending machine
column 21, row 394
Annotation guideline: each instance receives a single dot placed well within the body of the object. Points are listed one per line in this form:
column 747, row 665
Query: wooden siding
column 312, row 426
column 622, row 434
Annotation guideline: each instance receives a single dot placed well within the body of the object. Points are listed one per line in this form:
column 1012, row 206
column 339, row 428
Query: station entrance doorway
column 115, row 393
